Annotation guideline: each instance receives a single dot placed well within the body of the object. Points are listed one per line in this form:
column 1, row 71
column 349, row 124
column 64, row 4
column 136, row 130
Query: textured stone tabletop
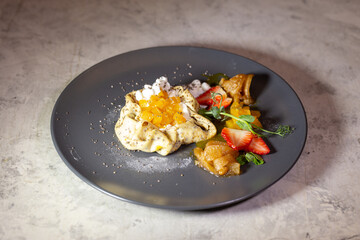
column 313, row 44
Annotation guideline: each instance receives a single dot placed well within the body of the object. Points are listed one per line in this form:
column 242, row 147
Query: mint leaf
column 215, row 112
column 247, row 118
column 241, row 159
column 244, row 125
column 252, row 157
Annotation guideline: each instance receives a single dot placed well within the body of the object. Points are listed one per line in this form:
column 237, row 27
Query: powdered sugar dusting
column 150, row 164
column 157, row 164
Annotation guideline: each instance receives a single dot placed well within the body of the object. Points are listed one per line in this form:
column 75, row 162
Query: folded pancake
column 135, row 133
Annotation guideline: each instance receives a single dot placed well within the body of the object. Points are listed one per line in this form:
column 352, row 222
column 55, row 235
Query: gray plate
column 85, row 113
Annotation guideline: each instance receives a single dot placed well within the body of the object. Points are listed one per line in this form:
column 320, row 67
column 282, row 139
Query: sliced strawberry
column 237, row 139
column 225, row 102
column 258, row 146
column 205, row 98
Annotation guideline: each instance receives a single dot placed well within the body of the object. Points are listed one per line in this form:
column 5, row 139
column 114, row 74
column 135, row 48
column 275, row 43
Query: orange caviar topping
column 162, row 110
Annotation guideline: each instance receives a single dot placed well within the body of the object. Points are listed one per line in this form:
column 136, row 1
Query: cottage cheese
column 197, row 88
column 149, row 90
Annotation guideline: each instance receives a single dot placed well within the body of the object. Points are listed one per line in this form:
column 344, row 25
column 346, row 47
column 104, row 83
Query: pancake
column 135, row 133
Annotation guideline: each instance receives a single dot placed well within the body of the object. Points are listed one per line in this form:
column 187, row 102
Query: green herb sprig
column 243, row 121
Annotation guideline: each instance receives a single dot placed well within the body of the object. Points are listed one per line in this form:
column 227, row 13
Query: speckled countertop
column 313, row 44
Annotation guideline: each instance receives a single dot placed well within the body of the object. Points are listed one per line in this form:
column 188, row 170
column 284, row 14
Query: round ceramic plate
column 85, row 113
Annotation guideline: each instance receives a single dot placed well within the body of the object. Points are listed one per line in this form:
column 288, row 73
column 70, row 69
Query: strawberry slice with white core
column 237, row 139
column 258, row 146
column 205, row 98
